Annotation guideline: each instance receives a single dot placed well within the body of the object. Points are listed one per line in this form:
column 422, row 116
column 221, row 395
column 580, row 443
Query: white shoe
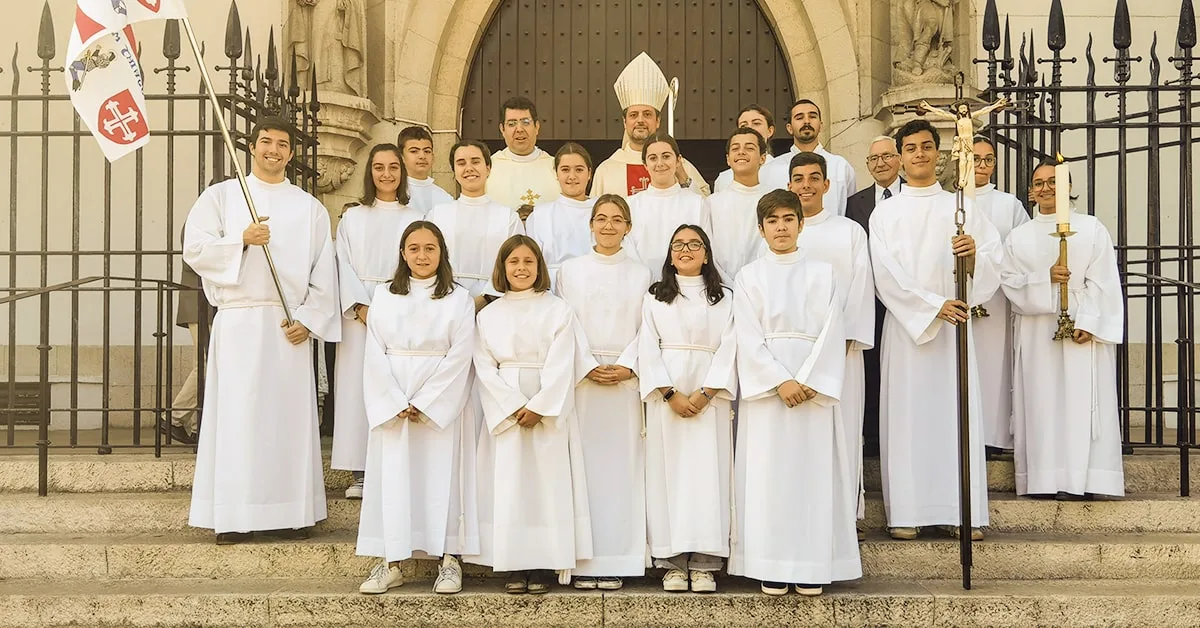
column 675, row 580
column 449, row 578
column 703, row 582
column 810, row 590
column 382, row 578
column 355, row 491
column 585, row 583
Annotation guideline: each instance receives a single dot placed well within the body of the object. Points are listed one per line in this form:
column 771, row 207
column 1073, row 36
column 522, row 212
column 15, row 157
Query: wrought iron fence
column 93, row 248
column 1112, row 131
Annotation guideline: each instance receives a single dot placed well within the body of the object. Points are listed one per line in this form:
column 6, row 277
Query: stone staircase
column 110, row 547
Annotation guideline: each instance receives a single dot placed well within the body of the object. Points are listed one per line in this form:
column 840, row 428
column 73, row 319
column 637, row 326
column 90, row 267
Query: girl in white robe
column 533, row 508
column 663, row 205
column 605, row 289
column 416, row 386
column 368, row 239
column 686, row 352
column 560, row 227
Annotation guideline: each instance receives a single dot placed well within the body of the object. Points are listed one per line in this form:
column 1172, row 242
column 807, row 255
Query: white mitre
column 642, row 83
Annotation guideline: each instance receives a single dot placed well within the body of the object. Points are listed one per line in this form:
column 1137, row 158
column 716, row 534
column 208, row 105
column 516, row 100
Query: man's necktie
column 887, row 193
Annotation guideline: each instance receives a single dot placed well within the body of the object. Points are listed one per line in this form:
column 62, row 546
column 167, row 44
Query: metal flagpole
column 237, row 166
column 964, row 408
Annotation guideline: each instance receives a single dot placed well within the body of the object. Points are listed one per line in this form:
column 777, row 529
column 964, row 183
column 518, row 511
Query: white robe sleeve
column 722, row 372
column 989, row 257
column 382, row 394
column 825, row 367
column 860, row 294
column 914, row 307
column 215, row 255
column 319, row 311
column 653, row 374
column 1029, row 291
column 758, row 370
column 515, row 226
column 500, row 401
column 558, row 371
column 1101, row 309
column 444, row 394
column 351, row 288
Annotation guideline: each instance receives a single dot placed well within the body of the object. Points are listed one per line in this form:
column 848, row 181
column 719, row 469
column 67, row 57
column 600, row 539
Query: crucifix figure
column 528, row 201
column 964, row 139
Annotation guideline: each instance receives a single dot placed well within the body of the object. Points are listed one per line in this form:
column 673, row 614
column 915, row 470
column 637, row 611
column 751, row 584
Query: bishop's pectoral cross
column 530, row 198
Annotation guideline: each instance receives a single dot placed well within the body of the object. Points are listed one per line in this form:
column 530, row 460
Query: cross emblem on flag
column 121, row 120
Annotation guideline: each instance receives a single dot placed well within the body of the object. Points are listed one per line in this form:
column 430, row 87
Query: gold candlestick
column 1066, row 325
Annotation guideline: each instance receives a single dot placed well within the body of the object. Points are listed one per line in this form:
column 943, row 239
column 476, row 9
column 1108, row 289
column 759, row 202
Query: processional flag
column 103, row 75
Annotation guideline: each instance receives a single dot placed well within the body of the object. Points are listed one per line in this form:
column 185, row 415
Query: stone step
column 255, row 603
column 132, row 513
column 84, row 472
column 1000, row 557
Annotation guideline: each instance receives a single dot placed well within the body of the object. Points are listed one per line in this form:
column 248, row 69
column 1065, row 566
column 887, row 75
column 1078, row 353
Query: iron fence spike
column 1056, row 30
column 1122, row 29
column 233, row 33
column 45, row 45
column 991, row 27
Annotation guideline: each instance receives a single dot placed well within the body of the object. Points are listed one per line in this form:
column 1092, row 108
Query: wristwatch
column 706, row 395
column 667, row 395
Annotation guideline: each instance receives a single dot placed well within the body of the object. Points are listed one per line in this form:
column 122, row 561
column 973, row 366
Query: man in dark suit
column 884, row 164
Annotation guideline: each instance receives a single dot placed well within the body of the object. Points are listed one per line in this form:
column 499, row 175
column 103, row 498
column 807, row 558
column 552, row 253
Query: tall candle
column 1062, row 193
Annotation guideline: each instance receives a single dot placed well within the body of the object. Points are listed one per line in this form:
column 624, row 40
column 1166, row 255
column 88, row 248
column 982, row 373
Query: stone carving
column 924, row 41
column 329, row 37
column 333, row 171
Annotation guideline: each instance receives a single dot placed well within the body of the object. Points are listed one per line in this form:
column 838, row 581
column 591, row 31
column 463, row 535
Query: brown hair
column 614, row 199
column 745, row 130
column 487, row 152
column 659, row 137
column 413, row 133
column 402, row 280
column 571, row 148
column 777, row 199
column 500, row 278
column 761, row 111
column 369, row 191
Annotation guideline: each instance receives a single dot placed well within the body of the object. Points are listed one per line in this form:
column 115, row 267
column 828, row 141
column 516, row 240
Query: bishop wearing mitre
column 642, row 90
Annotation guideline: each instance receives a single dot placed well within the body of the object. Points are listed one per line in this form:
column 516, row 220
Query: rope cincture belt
column 249, row 304
column 521, row 365
column 606, row 354
column 790, row 334
column 472, row 276
column 375, row 279
column 416, row 354
column 685, row 347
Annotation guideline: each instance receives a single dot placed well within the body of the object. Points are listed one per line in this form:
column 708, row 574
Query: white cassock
column 518, row 180
column 563, row 229
column 419, row 496
column 425, row 194
column 688, row 344
column 474, row 228
column 656, row 215
column 1065, row 395
column 993, row 333
column 794, row 483
column 735, row 237
column 842, row 243
column 368, row 249
column 724, row 179
column 918, row 385
column 624, row 174
column 605, row 292
column 258, row 465
column 533, row 508
column 775, row 175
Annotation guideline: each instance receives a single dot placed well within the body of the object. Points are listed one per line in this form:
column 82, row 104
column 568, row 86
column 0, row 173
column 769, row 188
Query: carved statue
column 329, row 36
column 963, row 149
column 925, row 38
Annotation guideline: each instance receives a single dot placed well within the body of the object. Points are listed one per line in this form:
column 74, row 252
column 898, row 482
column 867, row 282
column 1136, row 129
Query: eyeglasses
column 615, row 221
column 874, row 159
column 525, row 122
column 987, row 161
column 1040, row 184
column 691, row 245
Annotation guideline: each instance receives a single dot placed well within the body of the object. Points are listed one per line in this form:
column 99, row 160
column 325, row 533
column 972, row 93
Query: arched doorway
column 565, row 55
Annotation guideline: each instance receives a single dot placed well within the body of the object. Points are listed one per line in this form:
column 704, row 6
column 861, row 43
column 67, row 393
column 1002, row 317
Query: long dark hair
column 667, row 288
column 369, row 191
column 402, row 280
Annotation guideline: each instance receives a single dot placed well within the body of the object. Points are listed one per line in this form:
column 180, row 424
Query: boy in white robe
column 605, row 290
column 686, row 362
column 1065, row 423
column 735, row 237
column 416, row 147
column 533, row 508
column 663, row 206
column 913, row 248
column 993, row 332
column 560, row 227
column 760, row 119
column 258, row 465
column 841, row 243
column 418, row 499
column 367, row 243
column 794, row 488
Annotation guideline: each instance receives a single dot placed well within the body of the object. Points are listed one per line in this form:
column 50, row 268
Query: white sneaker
column 449, row 578
column 703, row 582
column 382, row 578
column 355, row 491
column 675, row 580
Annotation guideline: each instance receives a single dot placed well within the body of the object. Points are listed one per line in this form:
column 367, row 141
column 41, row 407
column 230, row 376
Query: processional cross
column 528, row 201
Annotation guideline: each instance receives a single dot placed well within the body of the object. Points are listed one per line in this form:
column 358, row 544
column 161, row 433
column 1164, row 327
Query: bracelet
column 706, row 395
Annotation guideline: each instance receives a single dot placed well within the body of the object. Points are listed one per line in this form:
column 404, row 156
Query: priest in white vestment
column 804, row 125
column 642, row 91
column 523, row 175
column 474, row 225
column 561, row 227
column 368, row 241
column 686, row 367
column 533, row 508
column 419, row 498
column 913, row 247
column 605, row 289
column 793, row 466
column 754, row 117
column 993, row 333
column 258, row 464
column 416, row 146
column 1065, row 421
column 841, row 243
column 663, row 207
column 735, row 236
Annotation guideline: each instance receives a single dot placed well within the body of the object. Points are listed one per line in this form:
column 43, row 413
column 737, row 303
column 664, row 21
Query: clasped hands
column 793, row 393
column 688, row 406
column 609, row 374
